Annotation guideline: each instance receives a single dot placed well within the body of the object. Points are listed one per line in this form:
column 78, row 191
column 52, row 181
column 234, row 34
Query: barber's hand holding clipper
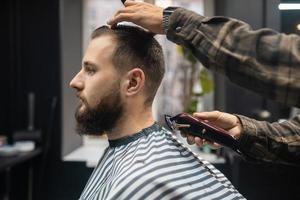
column 228, row 122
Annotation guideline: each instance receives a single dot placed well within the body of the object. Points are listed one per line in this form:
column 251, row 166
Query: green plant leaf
column 206, row 82
column 187, row 54
column 192, row 107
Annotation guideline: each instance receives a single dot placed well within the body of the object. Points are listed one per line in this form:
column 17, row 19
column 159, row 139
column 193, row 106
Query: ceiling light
column 289, row 6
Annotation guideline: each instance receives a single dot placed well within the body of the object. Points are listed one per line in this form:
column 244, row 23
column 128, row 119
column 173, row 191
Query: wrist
column 167, row 12
column 239, row 128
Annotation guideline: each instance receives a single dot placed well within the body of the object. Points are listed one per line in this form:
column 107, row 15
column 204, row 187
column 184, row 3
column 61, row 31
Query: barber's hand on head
column 228, row 122
column 143, row 14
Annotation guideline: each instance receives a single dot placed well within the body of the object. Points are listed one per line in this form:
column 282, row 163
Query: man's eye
column 90, row 71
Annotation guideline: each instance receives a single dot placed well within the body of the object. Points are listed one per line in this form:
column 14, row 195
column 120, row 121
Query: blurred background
column 42, row 46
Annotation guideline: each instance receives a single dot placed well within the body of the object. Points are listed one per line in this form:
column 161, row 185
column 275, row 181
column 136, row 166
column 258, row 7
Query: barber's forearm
column 275, row 142
column 263, row 61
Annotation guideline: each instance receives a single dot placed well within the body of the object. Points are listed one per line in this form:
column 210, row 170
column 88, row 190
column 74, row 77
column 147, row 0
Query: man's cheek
column 93, row 101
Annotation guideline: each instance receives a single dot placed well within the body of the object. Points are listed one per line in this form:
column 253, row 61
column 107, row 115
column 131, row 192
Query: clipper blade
column 169, row 122
column 173, row 125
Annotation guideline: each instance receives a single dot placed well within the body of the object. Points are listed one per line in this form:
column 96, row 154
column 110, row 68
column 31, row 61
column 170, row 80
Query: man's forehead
column 101, row 47
column 104, row 42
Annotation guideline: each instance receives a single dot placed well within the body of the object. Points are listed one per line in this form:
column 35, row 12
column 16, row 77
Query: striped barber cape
column 153, row 164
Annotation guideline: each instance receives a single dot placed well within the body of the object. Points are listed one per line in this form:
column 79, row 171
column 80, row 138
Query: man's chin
column 84, row 130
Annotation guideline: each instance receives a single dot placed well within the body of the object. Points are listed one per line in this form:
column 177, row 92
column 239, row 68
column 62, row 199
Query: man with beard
column 122, row 70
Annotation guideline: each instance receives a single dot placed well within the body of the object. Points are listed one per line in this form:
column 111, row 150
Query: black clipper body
column 205, row 130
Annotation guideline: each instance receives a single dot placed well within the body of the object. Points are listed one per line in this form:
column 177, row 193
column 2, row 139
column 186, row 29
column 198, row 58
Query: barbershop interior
column 42, row 155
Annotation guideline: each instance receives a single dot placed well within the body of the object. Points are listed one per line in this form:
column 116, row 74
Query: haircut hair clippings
column 205, row 130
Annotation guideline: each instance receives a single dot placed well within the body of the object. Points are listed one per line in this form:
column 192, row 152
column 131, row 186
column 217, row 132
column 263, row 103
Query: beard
column 101, row 119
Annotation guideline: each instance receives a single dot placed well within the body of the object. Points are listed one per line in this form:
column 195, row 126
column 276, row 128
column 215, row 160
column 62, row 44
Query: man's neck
column 130, row 124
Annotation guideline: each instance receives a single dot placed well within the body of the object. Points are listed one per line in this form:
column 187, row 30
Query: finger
column 125, row 10
column 120, row 13
column 211, row 116
column 198, row 141
column 190, row 139
column 136, row 3
column 214, row 145
column 120, row 18
column 204, row 142
column 207, row 142
column 130, row 3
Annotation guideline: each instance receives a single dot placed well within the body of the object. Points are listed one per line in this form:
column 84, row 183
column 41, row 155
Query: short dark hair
column 137, row 48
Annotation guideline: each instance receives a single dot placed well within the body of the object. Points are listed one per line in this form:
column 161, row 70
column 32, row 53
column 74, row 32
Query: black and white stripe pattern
column 153, row 164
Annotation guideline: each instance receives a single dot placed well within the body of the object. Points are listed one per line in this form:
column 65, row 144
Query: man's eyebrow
column 89, row 64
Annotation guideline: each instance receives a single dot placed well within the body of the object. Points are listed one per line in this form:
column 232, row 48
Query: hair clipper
column 200, row 128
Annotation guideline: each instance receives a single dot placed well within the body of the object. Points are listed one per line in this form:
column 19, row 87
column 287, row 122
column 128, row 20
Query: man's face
column 98, row 87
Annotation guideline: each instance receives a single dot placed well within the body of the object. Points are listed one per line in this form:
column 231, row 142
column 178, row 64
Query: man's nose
column 76, row 82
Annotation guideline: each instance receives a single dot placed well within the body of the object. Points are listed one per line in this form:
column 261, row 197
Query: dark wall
column 290, row 19
column 30, row 61
column 33, row 63
column 30, row 56
column 7, row 67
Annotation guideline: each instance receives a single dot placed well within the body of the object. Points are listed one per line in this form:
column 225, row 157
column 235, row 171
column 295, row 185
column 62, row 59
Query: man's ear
column 134, row 81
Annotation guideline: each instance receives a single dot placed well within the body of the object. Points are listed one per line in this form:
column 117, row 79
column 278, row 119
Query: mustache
column 80, row 97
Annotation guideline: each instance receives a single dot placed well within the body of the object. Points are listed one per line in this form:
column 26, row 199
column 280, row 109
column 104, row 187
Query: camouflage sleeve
column 272, row 142
column 264, row 61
